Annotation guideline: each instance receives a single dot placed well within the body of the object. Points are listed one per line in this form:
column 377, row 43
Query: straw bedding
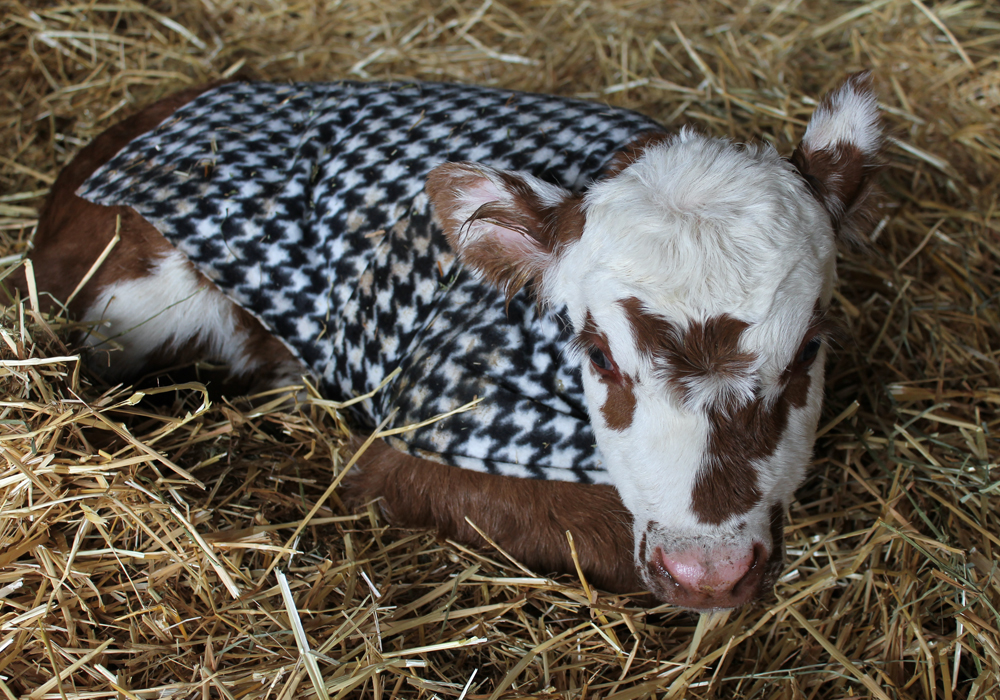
column 155, row 544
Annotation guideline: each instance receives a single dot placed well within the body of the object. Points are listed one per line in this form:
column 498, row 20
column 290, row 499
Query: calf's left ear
column 840, row 155
column 510, row 226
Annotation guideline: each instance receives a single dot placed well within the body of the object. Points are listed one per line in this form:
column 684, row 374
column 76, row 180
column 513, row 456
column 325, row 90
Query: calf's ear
column 509, row 226
column 840, row 155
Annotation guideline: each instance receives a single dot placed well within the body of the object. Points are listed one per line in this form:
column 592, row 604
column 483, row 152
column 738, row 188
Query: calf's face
column 696, row 276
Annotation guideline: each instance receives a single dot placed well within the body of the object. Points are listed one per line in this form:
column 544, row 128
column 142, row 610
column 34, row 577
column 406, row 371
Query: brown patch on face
column 709, row 349
column 704, row 349
column 726, row 485
column 797, row 388
column 633, row 151
column 650, row 331
column 727, row 480
column 796, row 377
column 739, row 435
column 619, row 406
column 545, row 226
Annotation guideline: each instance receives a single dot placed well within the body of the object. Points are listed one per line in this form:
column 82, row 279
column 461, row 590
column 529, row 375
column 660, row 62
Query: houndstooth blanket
column 304, row 203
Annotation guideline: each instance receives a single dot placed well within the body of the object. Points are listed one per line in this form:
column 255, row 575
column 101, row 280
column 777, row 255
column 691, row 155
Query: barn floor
column 142, row 533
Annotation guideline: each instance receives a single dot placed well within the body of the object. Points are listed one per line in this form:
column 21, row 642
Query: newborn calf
column 656, row 388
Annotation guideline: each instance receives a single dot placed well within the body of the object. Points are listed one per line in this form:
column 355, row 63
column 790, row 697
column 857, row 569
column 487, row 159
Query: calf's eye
column 600, row 360
column 809, row 351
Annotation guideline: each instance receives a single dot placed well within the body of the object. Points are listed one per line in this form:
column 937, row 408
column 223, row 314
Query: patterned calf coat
column 328, row 238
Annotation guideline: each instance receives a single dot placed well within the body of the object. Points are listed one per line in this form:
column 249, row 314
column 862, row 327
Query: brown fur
column 797, row 382
column 727, row 479
column 73, row 232
column 650, row 331
column 703, row 349
column 276, row 366
column 527, row 518
column 590, row 336
column 727, row 482
column 709, row 349
column 739, row 434
column 619, row 406
column 444, row 184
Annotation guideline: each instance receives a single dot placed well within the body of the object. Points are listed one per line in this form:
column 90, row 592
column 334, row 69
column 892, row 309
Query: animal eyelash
column 830, row 330
column 583, row 342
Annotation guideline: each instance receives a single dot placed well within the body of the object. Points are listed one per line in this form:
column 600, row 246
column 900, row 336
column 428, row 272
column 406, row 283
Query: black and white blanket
column 305, row 204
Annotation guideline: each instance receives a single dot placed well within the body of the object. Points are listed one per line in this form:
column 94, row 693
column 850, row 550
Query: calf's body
column 282, row 229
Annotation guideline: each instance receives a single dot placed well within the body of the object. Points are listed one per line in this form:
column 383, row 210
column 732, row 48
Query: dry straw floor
column 142, row 536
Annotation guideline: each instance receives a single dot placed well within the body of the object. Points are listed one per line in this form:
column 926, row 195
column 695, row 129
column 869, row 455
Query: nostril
column 754, row 572
column 760, row 554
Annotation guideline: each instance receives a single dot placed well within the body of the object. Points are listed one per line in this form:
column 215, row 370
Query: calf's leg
column 527, row 518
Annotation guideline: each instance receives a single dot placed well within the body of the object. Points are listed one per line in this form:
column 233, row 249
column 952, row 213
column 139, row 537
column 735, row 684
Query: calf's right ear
column 509, row 226
column 839, row 156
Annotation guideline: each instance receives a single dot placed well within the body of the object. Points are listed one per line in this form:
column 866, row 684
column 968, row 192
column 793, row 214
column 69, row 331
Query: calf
column 656, row 393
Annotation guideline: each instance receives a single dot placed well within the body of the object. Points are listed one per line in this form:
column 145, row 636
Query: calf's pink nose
column 710, row 574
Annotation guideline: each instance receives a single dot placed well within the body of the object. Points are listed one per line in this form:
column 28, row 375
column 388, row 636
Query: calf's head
column 696, row 275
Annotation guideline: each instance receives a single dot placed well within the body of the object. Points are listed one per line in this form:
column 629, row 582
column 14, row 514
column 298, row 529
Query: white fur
column 848, row 115
column 696, row 228
column 164, row 310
